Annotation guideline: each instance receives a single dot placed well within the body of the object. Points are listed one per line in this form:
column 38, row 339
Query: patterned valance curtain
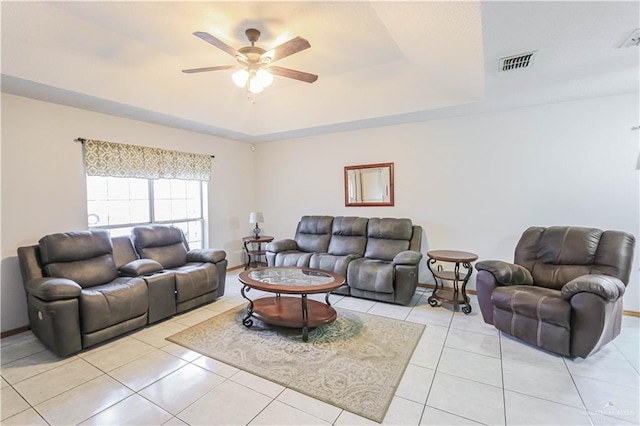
column 131, row 161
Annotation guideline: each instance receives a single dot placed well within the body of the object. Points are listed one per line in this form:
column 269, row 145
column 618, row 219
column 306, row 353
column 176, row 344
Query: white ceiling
column 379, row 63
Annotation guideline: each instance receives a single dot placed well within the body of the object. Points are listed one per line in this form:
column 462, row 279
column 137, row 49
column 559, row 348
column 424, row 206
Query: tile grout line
column 504, row 391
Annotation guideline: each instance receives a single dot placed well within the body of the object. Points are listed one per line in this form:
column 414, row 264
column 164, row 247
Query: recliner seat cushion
column 105, row 305
column 538, row 303
column 371, row 275
column 195, row 279
column 329, row 262
column 293, row 258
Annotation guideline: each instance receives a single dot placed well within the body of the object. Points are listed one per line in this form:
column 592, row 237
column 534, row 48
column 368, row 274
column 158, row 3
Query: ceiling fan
column 255, row 63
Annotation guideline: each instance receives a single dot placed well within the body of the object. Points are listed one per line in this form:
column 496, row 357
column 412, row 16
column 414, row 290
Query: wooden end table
column 456, row 295
column 253, row 255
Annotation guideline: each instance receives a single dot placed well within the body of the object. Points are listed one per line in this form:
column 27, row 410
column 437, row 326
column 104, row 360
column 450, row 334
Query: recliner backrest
column 123, row 251
column 314, row 233
column 348, row 236
column 85, row 257
column 387, row 237
column 164, row 244
column 558, row 254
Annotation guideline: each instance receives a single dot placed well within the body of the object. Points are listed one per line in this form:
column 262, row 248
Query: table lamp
column 256, row 217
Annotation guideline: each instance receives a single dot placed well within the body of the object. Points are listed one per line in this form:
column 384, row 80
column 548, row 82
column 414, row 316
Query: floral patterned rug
column 354, row 363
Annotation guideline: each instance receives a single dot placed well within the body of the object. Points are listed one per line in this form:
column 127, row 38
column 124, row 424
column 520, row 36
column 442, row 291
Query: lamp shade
column 256, row 217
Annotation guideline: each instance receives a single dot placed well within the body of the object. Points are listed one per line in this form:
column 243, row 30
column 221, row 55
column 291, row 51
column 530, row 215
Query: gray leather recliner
column 75, row 295
column 199, row 274
column 313, row 235
column 564, row 290
column 389, row 269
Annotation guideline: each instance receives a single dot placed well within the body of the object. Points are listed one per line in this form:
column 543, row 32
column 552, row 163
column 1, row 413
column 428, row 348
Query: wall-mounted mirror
column 368, row 185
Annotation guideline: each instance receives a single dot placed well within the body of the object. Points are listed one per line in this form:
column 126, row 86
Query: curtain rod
column 83, row 140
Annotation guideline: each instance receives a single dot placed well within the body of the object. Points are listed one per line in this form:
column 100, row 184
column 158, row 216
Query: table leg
column 432, row 299
column 326, row 299
column 305, row 319
column 467, row 306
column 246, row 250
column 247, row 321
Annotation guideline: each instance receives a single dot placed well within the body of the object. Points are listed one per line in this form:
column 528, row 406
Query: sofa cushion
column 371, row 275
column 105, row 305
column 195, row 279
column 349, row 236
column 293, row 258
column 329, row 262
column 123, row 251
column 387, row 237
column 314, row 233
column 164, row 244
column 73, row 246
column 539, row 303
column 85, row 257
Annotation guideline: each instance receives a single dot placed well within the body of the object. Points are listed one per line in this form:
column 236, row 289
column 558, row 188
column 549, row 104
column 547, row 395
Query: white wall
column 473, row 183
column 43, row 181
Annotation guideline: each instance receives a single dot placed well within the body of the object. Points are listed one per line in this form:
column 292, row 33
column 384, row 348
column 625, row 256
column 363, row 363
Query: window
column 119, row 204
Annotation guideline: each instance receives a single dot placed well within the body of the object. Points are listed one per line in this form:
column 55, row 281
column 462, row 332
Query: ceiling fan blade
column 217, row 43
column 296, row 75
column 221, row 67
column 287, row 48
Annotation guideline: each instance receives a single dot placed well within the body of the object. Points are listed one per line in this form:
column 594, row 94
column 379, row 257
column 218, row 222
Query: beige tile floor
column 462, row 372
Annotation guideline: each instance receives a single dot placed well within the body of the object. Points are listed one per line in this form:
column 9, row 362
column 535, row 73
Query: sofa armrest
column 608, row 287
column 407, row 257
column 282, row 245
column 53, row 288
column 206, row 255
column 506, row 273
column 140, row 267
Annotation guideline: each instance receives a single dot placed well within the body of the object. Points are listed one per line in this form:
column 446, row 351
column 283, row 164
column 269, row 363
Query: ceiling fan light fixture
column 255, row 86
column 264, row 77
column 240, row 77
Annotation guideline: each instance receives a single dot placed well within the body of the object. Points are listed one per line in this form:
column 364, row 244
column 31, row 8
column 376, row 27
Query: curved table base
column 290, row 312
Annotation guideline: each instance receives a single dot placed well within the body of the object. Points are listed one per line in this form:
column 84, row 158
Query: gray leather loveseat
column 84, row 288
column 378, row 257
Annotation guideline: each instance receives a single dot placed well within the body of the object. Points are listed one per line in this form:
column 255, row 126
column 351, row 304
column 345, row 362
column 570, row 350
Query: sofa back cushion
column 348, row 236
column 387, row 237
column 314, row 233
column 164, row 244
column 85, row 257
column 123, row 251
column 558, row 254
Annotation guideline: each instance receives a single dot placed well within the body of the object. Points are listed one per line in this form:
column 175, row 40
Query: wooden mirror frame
column 390, row 187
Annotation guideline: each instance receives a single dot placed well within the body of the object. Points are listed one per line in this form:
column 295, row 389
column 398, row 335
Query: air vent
column 632, row 40
column 517, row 62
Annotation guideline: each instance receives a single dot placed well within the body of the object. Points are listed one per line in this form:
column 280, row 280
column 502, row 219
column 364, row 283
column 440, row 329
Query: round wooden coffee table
column 289, row 311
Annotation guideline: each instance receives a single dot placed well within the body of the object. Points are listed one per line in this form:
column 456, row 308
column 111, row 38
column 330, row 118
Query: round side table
column 254, row 255
column 457, row 294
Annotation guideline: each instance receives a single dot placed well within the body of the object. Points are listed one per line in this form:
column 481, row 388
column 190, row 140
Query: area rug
column 354, row 363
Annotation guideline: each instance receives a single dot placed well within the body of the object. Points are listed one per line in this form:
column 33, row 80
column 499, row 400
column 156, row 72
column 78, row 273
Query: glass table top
column 291, row 276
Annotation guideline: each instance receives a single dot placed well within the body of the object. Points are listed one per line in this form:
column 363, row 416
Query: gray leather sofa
column 564, row 290
column 84, row 288
column 378, row 257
